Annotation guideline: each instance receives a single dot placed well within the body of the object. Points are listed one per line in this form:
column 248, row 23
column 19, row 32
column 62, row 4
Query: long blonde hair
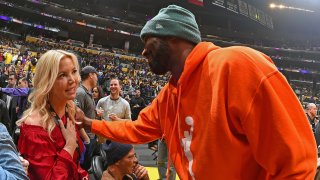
column 46, row 73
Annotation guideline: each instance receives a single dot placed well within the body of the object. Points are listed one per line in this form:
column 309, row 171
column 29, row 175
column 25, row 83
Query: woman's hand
column 70, row 135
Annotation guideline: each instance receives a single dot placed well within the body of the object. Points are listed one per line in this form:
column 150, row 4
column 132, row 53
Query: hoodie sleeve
column 279, row 133
column 145, row 129
column 264, row 109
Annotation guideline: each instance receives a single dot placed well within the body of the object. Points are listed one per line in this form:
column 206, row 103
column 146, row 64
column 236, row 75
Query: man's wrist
column 87, row 123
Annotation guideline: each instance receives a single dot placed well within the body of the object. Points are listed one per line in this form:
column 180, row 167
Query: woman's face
column 66, row 84
column 95, row 93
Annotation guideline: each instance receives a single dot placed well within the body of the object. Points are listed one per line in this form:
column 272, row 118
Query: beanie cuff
column 169, row 27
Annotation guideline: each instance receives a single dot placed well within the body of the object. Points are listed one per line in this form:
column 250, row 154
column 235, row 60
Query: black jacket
column 136, row 109
column 12, row 111
column 4, row 116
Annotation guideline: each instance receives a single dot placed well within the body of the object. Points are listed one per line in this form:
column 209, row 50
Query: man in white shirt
column 114, row 107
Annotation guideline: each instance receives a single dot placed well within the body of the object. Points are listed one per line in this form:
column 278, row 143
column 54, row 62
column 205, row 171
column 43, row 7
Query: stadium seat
column 97, row 167
column 103, row 153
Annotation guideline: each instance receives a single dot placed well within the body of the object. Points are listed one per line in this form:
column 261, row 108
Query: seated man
column 121, row 163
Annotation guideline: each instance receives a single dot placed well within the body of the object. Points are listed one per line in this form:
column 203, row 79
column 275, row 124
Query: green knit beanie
column 173, row 21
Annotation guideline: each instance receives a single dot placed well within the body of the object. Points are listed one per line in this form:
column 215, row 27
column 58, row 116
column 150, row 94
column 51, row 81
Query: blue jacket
column 10, row 165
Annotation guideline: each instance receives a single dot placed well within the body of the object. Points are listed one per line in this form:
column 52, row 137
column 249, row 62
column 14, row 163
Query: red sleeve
column 63, row 167
column 48, row 159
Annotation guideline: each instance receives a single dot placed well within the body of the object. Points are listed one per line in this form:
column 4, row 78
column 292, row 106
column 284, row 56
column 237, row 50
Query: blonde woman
column 49, row 138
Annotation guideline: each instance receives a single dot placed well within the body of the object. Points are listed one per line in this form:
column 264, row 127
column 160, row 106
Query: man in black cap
column 84, row 98
column 86, row 103
column 122, row 163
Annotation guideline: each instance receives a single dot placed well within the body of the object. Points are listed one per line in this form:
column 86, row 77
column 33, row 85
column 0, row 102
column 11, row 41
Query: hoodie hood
column 195, row 58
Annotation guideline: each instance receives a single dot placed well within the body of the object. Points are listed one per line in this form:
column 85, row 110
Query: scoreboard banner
column 219, row 3
column 232, row 5
column 261, row 17
column 243, row 8
column 269, row 22
column 252, row 12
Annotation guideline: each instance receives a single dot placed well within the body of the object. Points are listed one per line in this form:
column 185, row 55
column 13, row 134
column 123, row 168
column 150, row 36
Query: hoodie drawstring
column 165, row 122
column 174, row 128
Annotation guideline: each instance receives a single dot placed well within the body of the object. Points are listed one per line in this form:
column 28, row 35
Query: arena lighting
column 281, row 6
column 6, row 18
column 39, row 26
column 272, row 5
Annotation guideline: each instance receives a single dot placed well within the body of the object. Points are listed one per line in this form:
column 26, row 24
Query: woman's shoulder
column 33, row 119
column 34, row 137
column 33, row 124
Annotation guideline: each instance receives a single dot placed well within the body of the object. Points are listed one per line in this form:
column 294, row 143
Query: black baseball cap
column 87, row 70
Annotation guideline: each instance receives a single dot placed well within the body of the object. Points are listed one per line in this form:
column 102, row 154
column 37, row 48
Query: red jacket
column 47, row 158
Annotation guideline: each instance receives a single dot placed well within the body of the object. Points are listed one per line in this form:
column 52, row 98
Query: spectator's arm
column 10, row 165
column 84, row 135
column 15, row 91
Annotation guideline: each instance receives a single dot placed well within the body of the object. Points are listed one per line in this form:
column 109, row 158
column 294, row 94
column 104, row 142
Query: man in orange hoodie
column 248, row 124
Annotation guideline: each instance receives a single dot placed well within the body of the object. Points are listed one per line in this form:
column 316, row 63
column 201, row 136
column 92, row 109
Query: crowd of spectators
column 132, row 71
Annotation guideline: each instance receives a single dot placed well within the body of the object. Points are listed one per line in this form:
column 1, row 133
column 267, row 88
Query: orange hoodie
column 232, row 115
